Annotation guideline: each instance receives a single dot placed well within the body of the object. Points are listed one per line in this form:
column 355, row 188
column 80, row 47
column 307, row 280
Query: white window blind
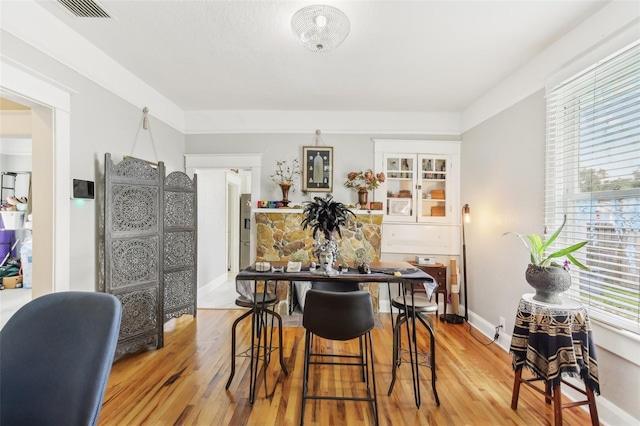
column 593, row 176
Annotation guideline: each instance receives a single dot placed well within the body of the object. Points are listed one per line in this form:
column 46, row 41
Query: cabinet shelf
column 420, row 179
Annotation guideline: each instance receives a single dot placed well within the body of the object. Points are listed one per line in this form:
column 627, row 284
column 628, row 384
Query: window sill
column 620, row 342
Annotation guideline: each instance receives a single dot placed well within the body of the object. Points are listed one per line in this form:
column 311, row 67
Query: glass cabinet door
column 432, row 184
column 400, row 185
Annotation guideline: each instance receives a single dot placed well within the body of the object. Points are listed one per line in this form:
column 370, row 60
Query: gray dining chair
column 339, row 316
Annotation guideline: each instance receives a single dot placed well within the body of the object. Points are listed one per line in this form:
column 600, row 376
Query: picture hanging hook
column 145, row 120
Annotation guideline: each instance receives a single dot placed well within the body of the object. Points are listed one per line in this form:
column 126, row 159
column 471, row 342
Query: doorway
column 50, row 135
column 212, row 169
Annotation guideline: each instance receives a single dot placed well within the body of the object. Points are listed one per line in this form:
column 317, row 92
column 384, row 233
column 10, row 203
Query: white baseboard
column 608, row 412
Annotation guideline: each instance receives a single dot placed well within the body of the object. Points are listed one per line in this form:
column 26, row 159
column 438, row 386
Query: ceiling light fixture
column 320, row 28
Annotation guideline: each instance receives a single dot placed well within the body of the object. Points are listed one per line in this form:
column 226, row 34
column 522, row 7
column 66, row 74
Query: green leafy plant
column 326, row 216
column 537, row 248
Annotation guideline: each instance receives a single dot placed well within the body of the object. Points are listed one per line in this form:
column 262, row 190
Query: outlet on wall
column 503, row 324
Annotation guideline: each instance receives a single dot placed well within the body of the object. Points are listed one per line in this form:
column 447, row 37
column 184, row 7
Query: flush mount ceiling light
column 320, row 28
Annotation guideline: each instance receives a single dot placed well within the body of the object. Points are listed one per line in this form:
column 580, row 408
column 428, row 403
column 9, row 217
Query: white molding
column 609, row 413
column 35, row 26
column 339, row 122
column 615, row 25
column 43, row 93
column 221, row 161
column 404, row 146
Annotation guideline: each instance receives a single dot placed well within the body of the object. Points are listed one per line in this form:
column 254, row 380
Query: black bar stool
column 339, row 316
column 259, row 309
column 412, row 307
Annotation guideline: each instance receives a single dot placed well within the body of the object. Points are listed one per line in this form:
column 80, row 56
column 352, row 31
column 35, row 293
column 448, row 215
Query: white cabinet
column 420, row 188
column 420, row 195
column 435, row 195
column 399, row 187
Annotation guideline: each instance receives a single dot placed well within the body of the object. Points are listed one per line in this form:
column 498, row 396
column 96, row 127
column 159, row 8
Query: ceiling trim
column 612, row 27
column 337, row 122
column 35, row 26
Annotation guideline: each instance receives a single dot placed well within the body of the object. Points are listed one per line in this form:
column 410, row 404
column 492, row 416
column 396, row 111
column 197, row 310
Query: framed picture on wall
column 317, row 168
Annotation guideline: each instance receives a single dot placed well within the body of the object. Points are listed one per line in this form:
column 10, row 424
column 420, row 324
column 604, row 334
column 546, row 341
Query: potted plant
column 363, row 182
column 548, row 277
column 325, row 217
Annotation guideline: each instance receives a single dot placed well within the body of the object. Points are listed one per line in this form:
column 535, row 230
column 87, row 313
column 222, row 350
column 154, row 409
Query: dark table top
column 395, row 272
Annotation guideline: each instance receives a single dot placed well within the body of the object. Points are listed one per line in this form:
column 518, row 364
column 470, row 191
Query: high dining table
column 401, row 273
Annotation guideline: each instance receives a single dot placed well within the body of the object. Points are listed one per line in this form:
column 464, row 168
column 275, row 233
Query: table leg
column 557, row 405
column 253, row 356
column 516, row 388
column 593, row 410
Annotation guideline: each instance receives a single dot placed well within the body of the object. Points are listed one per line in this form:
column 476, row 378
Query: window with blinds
column 593, row 176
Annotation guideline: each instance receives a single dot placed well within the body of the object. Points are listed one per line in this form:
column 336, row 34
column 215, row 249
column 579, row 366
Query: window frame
column 567, row 128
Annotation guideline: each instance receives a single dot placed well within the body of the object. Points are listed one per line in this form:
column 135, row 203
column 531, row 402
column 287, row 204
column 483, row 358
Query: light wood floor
column 183, row 383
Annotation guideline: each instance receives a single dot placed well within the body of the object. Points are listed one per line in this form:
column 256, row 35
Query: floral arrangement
column 285, row 173
column 365, row 180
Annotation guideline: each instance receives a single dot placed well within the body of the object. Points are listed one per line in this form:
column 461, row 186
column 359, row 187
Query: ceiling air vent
column 85, row 8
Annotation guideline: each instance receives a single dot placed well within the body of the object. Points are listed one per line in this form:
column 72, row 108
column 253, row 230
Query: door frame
column 51, row 170
column 253, row 162
column 233, row 221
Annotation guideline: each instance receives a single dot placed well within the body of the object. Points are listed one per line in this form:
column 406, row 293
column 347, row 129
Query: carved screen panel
column 133, row 249
column 180, row 245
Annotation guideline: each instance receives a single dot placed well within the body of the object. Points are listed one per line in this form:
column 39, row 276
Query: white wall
column 502, row 169
column 100, row 122
column 351, row 153
column 211, row 225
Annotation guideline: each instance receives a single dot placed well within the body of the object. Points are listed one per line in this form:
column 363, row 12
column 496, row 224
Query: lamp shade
column 320, row 28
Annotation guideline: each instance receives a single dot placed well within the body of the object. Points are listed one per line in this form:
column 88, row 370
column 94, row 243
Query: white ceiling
column 425, row 56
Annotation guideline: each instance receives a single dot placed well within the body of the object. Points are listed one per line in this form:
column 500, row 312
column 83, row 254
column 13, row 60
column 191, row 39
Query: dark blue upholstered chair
column 55, row 358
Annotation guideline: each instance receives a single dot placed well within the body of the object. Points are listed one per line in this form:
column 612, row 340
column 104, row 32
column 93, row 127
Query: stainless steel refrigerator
column 245, row 230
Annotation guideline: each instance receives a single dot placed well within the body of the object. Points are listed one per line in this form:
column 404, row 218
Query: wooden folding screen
column 150, row 248
column 180, row 245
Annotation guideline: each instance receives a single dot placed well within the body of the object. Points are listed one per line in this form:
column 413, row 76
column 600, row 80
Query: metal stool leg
column 279, row 318
column 428, row 323
column 233, row 347
column 413, row 352
column 396, row 350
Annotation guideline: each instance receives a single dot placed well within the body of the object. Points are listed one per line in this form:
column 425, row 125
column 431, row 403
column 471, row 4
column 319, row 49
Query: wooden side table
column 551, row 341
column 439, row 273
